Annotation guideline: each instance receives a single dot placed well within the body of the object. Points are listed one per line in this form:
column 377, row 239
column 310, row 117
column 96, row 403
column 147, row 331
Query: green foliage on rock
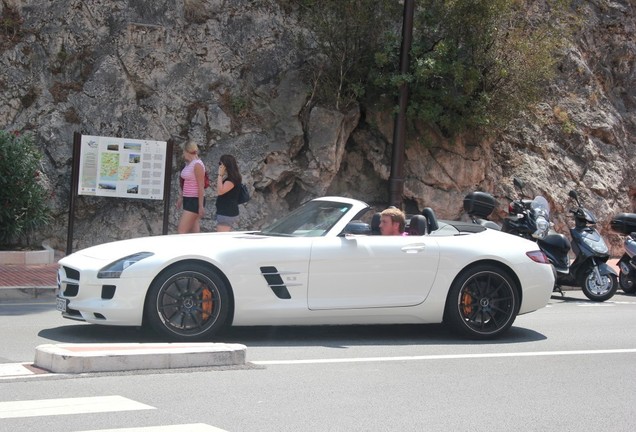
column 475, row 64
column 23, row 197
column 343, row 39
column 10, row 26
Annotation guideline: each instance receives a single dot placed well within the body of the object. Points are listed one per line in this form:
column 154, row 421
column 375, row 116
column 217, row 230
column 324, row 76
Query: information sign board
column 122, row 167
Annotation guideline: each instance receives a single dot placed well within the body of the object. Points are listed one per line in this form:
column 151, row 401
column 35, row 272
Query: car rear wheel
column 187, row 302
column 482, row 303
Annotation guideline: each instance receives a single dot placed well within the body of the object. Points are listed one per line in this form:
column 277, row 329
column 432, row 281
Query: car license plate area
column 61, row 304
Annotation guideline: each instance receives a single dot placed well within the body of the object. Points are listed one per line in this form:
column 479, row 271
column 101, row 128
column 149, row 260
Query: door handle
column 414, row 248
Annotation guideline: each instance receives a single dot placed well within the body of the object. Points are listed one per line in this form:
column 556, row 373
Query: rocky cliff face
column 227, row 74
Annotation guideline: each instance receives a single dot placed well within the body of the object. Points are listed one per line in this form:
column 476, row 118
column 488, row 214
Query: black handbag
column 244, row 194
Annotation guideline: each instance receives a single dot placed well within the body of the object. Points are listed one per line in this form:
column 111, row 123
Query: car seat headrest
column 418, row 226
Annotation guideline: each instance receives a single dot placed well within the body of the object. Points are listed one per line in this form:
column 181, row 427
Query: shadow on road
column 578, row 296
column 276, row 336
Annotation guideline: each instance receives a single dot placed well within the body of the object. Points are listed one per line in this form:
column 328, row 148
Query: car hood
column 167, row 245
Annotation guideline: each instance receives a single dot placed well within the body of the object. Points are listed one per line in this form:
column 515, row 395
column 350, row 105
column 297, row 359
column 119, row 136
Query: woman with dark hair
column 228, row 188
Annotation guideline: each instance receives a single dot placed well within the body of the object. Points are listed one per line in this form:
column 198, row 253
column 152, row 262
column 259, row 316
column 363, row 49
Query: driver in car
column 392, row 221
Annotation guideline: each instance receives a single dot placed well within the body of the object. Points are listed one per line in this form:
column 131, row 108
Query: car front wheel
column 482, row 303
column 187, row 302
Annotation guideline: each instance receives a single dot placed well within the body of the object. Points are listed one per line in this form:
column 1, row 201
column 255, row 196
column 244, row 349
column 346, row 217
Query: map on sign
column 122, row 167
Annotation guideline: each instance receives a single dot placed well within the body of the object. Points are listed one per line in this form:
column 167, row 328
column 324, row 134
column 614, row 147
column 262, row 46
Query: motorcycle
column 527, row 218
column 625, row 223
column 589, row 270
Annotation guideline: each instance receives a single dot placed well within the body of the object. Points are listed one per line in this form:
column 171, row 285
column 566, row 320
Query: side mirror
column 518, row 183
column 357, row 227
column 572, row 194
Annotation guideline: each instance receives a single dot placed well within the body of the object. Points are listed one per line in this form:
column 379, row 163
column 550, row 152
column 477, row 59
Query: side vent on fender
column 275, row 282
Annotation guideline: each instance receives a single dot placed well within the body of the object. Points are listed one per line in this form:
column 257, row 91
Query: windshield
column 540, row 206
column 312, row 219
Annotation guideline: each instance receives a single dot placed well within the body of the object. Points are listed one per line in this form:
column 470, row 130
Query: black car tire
column 482, row 302
column 187, row 302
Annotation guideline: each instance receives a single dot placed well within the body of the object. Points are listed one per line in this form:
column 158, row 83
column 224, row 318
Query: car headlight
column 597, row 246
column 114, row 269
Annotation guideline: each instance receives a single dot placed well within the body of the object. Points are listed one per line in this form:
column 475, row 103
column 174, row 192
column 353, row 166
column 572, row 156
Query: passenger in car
column 392, row 221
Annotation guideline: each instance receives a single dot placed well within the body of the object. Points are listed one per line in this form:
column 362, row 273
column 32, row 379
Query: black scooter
column 589, row 270
column 625, row 223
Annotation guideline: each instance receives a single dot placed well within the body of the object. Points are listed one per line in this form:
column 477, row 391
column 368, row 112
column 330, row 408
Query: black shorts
column 191, row 204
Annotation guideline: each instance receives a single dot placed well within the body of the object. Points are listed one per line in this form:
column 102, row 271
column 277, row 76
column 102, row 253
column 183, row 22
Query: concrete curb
column 33, row 257
column 81, row 358
column 9, row 294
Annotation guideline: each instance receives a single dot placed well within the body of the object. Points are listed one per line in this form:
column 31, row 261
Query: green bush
column 23, row 197
column 343, row 38
column 474, row 64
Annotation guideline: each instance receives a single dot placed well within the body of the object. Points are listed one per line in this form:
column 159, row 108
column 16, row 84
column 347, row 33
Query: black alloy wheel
column 482, row 303
column 187, row 302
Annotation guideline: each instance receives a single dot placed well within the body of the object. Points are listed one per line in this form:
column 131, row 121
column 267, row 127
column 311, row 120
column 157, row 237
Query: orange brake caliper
column 467, row 301
column 207, row 303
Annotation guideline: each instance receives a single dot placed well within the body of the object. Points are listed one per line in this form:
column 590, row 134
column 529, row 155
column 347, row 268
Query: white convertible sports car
column 321, row 264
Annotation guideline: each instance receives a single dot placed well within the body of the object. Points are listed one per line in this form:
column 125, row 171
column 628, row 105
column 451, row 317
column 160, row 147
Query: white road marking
column 584, row 303
column 196, row 427
column 9, row 371
column 64, row 406
column 13, row 369
column 596, row 304
column 444, row 357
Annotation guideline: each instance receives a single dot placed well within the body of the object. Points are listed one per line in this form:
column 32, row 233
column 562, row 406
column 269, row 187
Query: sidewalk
column 27, row 282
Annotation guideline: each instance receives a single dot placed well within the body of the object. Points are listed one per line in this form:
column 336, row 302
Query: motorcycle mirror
column 518, row 182
column 572, row 194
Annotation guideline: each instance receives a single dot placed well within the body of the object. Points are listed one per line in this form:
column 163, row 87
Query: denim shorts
column 226, row 220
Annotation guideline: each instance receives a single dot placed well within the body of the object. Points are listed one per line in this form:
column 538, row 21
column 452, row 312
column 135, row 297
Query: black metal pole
column 75, row 165
column 167, row 177
column 396, row 179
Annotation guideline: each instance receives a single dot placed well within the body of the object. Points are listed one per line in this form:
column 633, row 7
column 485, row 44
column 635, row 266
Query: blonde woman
column 192, row 195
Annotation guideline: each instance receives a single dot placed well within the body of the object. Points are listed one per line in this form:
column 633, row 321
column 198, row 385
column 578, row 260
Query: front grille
column 72, row 273
column 68, row 281
column 71, row 290
column 73, row 314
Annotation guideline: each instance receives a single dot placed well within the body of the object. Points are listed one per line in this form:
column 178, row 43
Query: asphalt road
column 570, row 366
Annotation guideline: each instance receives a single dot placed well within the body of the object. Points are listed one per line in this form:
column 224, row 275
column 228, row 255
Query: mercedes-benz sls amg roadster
column 322, row 264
